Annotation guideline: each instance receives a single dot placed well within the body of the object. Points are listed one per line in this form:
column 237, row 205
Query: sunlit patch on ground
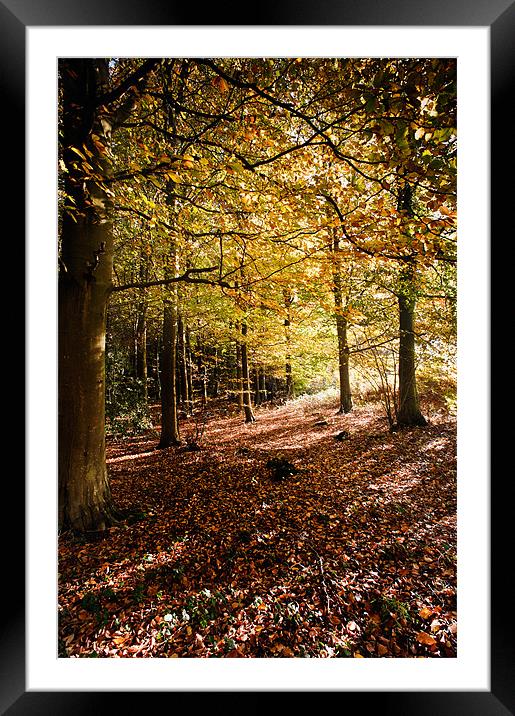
column 354, row 555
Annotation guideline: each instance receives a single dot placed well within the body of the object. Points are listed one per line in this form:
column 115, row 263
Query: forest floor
column 352, row 556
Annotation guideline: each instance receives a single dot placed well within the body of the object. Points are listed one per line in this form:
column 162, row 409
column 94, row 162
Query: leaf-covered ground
column 352, row 556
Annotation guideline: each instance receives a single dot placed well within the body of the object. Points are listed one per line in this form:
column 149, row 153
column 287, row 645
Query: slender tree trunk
column 288, row 300
column 189, row 370
column 216, row 375
column 247, row 405
column 409, row 412
column 202, row 373
column 85, row 277
column 158, row 368
column 290, row 392
column 341, row 331
column 141, row 328
column 183, row 370
column 255, row 383
column 239, row 381
column 262, row 384
column 343, row 365
column 169, row 419
column 178, row 396
column 141, row 348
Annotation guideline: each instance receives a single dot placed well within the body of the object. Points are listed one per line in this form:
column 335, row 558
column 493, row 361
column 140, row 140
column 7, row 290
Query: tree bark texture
column 183, row 367
column 141, row 348
column 262, row 384
column 247, row 405
column 255, row 382
column 84, row 286
column 341, row 331
column 202, row 373
column 288, row 300
column 169, row 420
column 189, row 371
column 239, row 381
column 409, row 408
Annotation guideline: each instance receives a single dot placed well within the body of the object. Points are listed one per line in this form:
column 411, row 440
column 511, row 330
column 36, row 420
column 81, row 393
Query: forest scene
column 257, row 329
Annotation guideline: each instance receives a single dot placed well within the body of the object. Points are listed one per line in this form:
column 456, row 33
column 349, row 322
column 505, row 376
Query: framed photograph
column 478, row 679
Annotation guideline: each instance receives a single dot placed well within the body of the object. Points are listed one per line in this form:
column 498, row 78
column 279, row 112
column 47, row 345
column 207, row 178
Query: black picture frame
column 499, row 16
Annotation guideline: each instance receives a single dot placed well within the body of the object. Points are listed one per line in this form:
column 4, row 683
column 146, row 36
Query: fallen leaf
column 425, row 639
column 425, row 612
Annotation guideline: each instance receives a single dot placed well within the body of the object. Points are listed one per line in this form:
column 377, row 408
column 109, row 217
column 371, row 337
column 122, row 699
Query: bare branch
column 186, row 277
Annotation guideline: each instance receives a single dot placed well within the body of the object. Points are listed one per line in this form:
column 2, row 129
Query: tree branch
column 117, row 92
column 186, row 277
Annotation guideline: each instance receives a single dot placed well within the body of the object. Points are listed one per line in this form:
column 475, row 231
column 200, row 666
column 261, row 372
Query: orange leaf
column 425, row 613
column 121, row 639
column 426, row 639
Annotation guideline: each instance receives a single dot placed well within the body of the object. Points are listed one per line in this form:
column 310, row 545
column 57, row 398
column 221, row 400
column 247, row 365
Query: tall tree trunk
column 341, row 331
column 158, row 368
column 189, row 371
column 409, row 412
column 255, row 383
column 183, row 369
column 215, row 384
column 343, row 365
column 262, row 384
column 169, row 420
column 239, row 381
column 247, row 405
column 288, row 300
column 84, row 495
column 141, row 348
column 169, row 417
column 84, row 285
column 202, row 373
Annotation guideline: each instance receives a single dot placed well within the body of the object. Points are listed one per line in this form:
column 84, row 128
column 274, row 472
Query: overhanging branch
column 187, row 277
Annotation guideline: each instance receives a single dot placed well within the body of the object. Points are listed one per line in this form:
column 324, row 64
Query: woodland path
column 353, row 556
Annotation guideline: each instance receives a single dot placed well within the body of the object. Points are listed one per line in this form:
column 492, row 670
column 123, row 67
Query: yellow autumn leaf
column 77, row 151
column 173, row 176
column 435, row 626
